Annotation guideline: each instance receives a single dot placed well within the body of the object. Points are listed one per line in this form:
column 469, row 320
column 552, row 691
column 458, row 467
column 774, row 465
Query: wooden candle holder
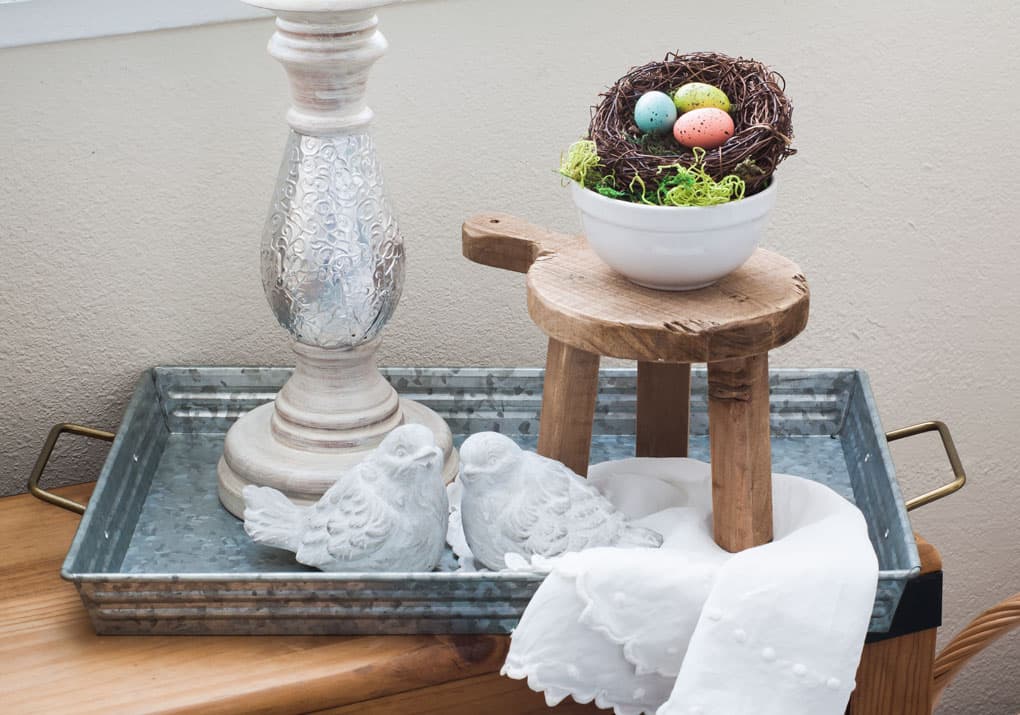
column 332, row 267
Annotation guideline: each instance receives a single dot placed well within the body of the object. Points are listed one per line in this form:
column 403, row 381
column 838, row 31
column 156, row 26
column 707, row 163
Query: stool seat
column 589, row 310
column 577, row 299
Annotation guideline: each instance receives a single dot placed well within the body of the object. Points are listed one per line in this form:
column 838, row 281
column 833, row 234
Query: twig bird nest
column 762, row 117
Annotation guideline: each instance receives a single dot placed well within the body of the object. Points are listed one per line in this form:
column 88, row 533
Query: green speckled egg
column 698, row 95
column 655, row 113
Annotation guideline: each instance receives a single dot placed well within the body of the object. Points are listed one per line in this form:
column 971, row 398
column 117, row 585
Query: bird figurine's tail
column 639, row 536
column 271, row 518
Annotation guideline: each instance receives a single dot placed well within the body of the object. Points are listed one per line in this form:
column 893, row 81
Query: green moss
column 581, row 163
column 679, row 185
column 691, row 186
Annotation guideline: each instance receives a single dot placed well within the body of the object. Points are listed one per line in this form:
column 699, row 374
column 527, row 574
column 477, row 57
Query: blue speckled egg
column 655, row 113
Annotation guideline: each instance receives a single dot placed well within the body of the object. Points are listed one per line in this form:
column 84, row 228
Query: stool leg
column 568, row 405
column 663, row 409
column 738, row 428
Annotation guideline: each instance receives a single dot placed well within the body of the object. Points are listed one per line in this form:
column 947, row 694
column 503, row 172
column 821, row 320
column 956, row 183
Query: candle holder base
column 332, row 268
column 333, row 411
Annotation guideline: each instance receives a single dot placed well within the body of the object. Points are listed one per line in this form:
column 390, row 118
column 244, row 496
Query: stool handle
column 504, row 241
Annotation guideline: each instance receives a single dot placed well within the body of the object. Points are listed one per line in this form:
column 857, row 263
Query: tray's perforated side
column 476, row 399
column 113, row 510
column 877, row 494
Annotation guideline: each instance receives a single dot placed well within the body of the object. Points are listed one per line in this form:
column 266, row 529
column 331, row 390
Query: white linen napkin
column 690, row 628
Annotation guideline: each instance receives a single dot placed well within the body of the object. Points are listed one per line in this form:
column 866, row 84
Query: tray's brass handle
column 954, row 460
column 44, row 458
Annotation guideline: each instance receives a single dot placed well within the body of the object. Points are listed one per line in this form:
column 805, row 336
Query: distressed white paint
column 336, row 407
column 327, row 56
column 333, row 411
column 137, row 171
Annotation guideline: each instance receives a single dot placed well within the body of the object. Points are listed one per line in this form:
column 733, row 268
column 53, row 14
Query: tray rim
column 883, row 448
column 148, row 380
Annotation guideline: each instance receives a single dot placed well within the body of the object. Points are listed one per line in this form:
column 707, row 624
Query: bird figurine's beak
column 428, row 454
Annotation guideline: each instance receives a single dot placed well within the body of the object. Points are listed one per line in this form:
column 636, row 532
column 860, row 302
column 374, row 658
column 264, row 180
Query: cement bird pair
column 390, row 512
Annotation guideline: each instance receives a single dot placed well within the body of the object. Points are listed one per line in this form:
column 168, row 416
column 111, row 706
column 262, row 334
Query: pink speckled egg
column 706, row 128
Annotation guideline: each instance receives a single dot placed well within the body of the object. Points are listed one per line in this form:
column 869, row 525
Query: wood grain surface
column 569, row 393
column 663, row 409
column 504, row 241
column 741, row 453
column 480, row 695
column 589, row 310
column 576, row 298
column 895, row 676
column 54, row 663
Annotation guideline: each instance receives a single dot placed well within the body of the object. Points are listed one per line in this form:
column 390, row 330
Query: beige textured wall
column 136, row 173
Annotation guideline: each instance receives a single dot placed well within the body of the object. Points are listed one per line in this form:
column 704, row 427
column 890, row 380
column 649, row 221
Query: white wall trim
column 30, row 22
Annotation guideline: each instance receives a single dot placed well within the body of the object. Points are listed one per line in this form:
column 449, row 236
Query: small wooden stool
column 588, row 310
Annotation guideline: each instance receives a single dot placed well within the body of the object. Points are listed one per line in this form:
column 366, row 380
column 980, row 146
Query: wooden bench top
column 54, row 662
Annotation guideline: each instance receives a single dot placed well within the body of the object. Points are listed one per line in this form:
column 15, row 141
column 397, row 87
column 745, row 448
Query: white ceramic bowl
column 674, row 247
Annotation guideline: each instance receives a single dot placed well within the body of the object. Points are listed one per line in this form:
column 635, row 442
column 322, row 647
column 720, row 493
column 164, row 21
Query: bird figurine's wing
column 350, row 523
column 555, row 511
column 271, row 518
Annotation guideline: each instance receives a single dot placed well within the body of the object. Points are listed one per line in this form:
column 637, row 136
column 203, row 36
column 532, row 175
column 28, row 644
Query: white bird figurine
column 518, row 502
column 387, row 513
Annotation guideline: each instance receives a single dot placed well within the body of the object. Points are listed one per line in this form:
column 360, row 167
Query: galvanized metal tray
column 156, row 553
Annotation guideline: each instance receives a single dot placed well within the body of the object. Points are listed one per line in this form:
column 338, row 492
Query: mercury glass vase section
column 332, row 253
